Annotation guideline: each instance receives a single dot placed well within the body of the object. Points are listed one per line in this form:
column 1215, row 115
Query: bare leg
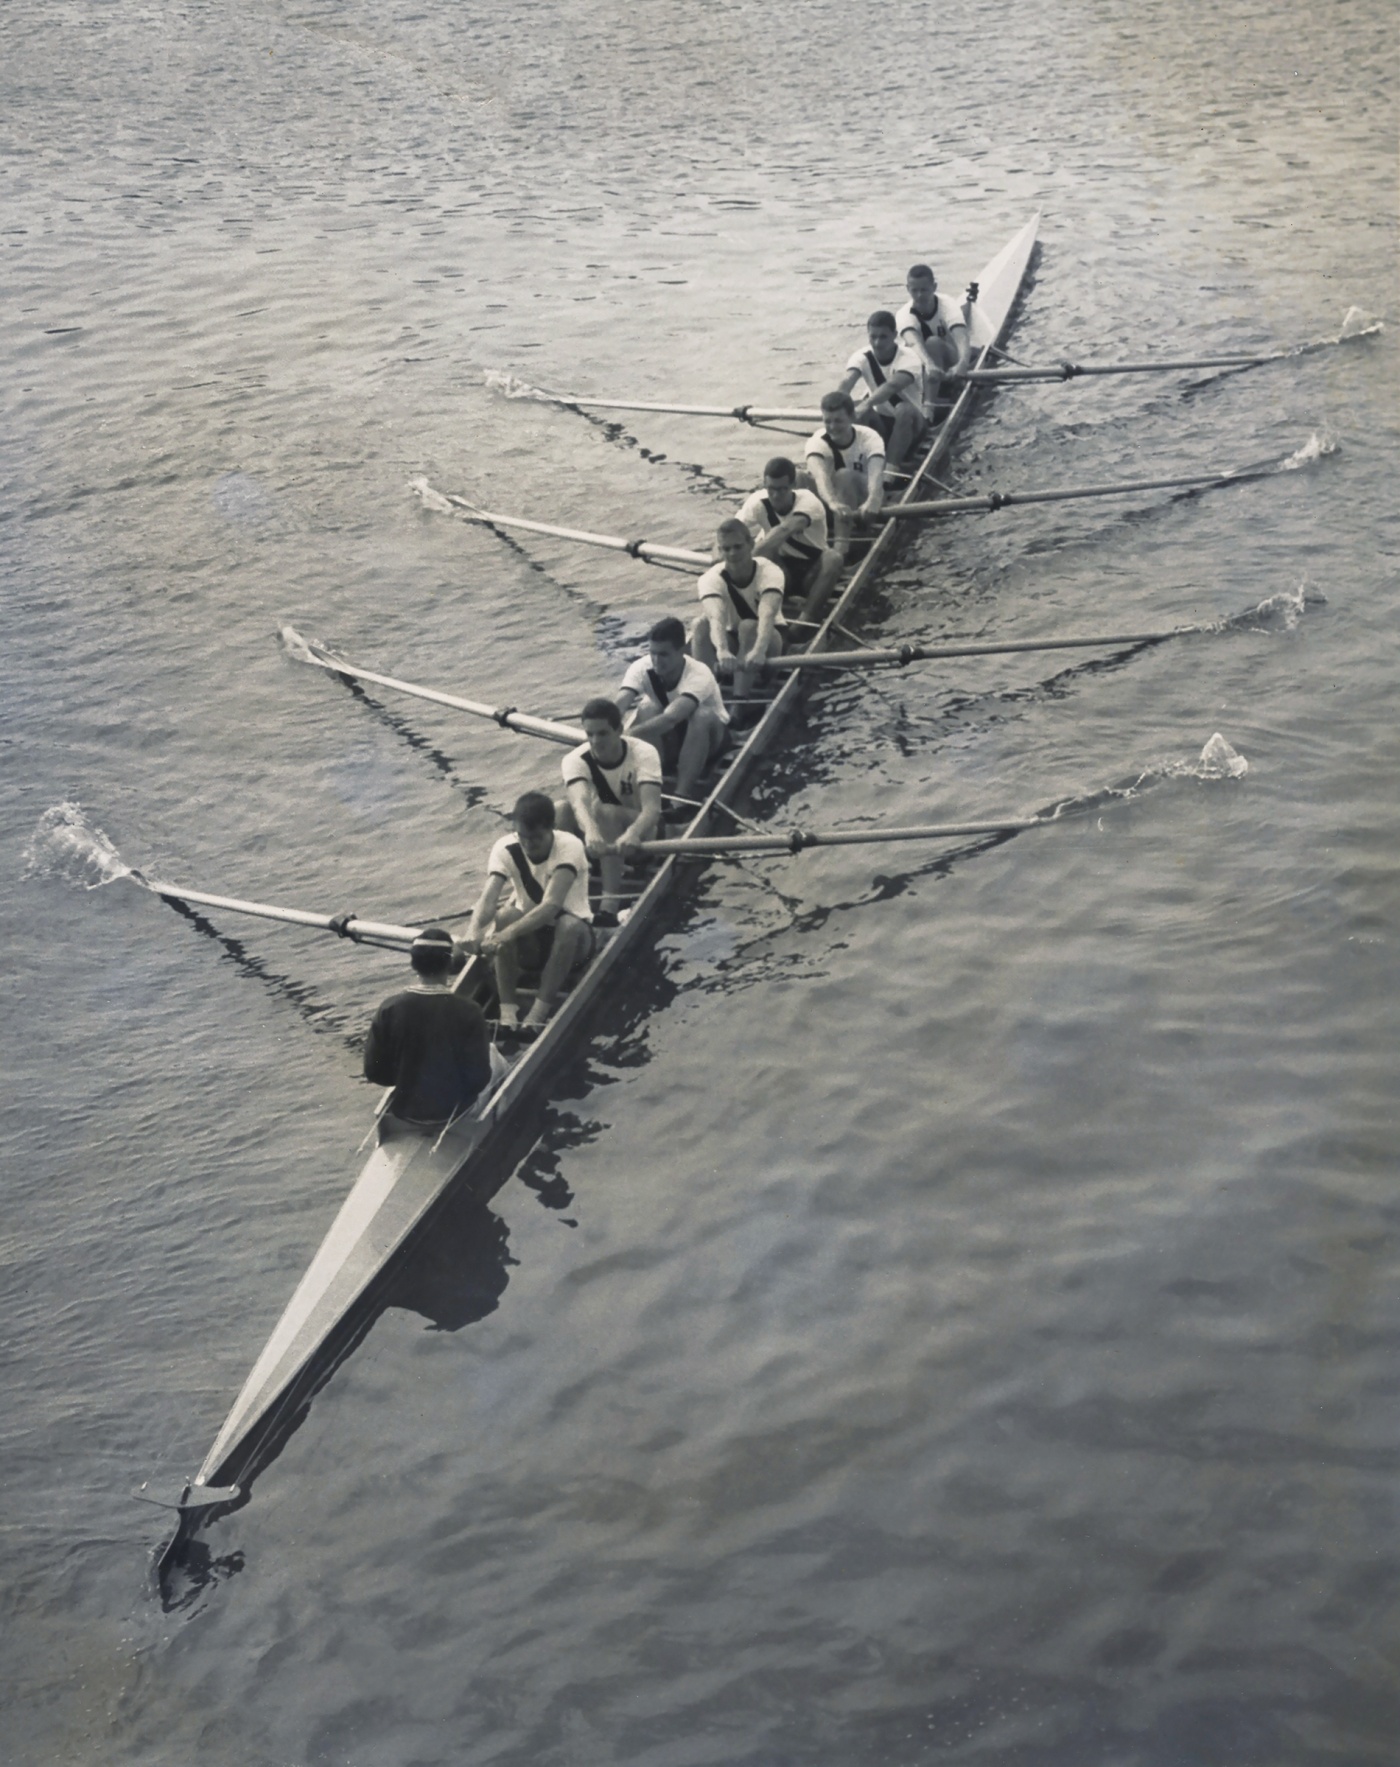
column 940, row 394
column 704, row 737
column 908, row 428
column 850, row 490
column 572, row 939
column 746, row 680
column 702, row 644
column 612, row 821
column 507, row 965
column 824, row 581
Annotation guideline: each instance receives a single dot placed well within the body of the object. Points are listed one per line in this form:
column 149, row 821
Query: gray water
column 950, row 1313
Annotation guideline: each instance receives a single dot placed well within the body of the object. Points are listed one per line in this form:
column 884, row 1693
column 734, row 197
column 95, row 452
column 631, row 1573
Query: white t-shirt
column 640, row 765
column 904, row 361
column 866, row 445
column 913, row 330
column 696, row 681
column 760, row 518
column 567, row 854
column 768, row 579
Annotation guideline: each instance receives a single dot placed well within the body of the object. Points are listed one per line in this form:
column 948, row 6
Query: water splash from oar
column 1217, row 760
column 66, row 845
column 1318, row 446
column 1275, row 613
column 510, row 386
column 1355, row 323
column 297, row 648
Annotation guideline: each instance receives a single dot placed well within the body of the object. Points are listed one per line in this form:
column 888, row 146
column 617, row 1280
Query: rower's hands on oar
column 596, row 847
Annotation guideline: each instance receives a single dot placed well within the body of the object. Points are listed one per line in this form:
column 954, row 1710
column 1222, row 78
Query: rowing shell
column 408, row 1174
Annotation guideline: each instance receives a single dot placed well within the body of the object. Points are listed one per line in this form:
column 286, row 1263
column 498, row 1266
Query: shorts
column 533, row 949
column 798, row 574
column 670, row 748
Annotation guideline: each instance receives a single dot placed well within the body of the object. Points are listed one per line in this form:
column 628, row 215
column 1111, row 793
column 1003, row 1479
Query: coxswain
column 429, row 1044
column 935, row 328
column 741, row 610
column 613, row 787
column 673, row 702
column 547, row 925
column 847, row 462
column 788, row 525
column 891, row 376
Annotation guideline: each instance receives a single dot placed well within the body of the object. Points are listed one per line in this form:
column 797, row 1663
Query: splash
column 510, row 386
column 1317, row 447
column 430, row 498
column 295, row 646
column 1275, row 613
column 1357, row 323
column 1217, row 761
column 65, row 844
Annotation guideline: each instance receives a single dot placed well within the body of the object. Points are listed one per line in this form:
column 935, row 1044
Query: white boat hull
column 408, row 1172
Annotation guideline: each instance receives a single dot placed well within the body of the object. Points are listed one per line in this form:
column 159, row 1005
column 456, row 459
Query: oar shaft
column 742, row 413
column 716, row 846
column 924, row 653
column 506, row 716
column 361, row 931
column 1008, row 499
column 1073, row 370
column 642, row 549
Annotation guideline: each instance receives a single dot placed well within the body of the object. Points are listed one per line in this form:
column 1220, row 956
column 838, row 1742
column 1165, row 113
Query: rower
column 788, row 525
column 613, row 786
column 548, row 924
column 847, row 462
column 935, row 328
column 429, row 1044
column 892, row 375
column 741, row 601
column 673, row 702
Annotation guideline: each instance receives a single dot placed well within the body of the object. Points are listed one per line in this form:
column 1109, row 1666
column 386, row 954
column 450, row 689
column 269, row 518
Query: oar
column 741, row 413
column 1008, row 499
column 923, row 653
column 346, row 926
column 716, row 846
column 305, row 651
column 647, row 550
column 1073, row 370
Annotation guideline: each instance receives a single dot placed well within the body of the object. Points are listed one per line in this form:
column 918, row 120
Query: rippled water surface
column 950, row 1314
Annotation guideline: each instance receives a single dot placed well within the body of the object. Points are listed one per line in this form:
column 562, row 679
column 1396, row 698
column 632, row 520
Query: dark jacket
column 434, row 1048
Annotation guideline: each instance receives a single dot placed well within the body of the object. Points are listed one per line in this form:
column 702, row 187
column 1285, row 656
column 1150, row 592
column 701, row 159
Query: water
column 950, row 1313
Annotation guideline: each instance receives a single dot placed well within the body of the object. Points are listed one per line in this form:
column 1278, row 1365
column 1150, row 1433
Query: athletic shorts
column 670, row 747
column 798, row 574
column 533, row 949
